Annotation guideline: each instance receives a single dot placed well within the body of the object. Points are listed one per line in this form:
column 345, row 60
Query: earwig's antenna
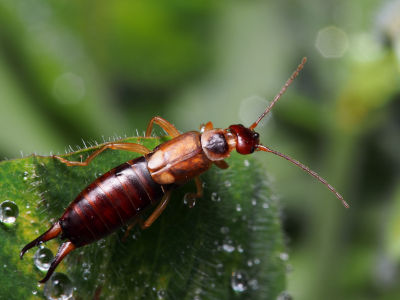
column 283, row 90
column 307, row 169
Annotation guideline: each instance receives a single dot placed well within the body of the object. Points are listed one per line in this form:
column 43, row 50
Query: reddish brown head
column 247, row 139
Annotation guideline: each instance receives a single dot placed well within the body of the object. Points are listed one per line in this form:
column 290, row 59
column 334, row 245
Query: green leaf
column 228, row 246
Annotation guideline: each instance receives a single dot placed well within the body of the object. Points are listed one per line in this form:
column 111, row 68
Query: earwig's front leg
column 191, row 197
column 114, row 146
column 207, row 126
column 164, row 124
column 157, row 212
column 221, row 164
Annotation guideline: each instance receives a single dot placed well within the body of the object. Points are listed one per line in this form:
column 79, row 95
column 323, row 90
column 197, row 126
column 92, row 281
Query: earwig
column 122, row 194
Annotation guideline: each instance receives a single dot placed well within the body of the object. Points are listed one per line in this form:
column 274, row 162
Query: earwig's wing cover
column 186, row 251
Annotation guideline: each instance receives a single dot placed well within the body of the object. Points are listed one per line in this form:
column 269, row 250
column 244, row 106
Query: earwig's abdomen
column 109, row 202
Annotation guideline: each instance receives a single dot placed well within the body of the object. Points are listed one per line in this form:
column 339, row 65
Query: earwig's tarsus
column 191, row 197
column 307, row 169
column 50, row 234
column 64, row 249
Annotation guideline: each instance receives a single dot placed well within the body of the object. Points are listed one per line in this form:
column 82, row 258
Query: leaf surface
column 228, row 246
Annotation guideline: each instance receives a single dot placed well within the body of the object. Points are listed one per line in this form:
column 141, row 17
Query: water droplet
column 215, row 197
column 26, row 174
column 227, row 183
column 59, row 287
column 34, row 292
column 253, row 284
column 8, row 212
column 265, row 205
column 224, row 230
column 228, row 248
column 254, row 202
column 284, row 296
column 86, row 274
column 43, row 258
column 240, row 249
column 246, row 163
column 189, row 200
column 219, row 269
column 161, row 294
column 239, row 281
column 256, row 261
column 238, row 207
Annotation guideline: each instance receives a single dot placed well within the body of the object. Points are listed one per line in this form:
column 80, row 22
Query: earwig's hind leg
column 221, row 164
column 164, row 124
column 191, row 197
column 53, row 232
column 157, row 212
column 114, row 146
column 64, row 249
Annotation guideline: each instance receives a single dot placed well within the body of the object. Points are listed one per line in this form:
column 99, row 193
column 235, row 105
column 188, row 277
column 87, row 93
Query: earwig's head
column 247, row 139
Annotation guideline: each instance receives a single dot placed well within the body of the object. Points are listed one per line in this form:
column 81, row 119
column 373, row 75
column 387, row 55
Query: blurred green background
column 93, row 70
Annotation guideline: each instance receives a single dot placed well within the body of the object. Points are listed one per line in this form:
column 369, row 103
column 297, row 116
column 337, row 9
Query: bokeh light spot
column 332, row 42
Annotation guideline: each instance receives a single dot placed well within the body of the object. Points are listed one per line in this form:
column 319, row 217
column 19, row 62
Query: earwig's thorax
column 247, row 139
column 217, row 144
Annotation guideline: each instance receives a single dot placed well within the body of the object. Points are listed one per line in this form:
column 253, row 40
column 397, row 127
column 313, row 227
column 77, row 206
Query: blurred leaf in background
column 91, row 70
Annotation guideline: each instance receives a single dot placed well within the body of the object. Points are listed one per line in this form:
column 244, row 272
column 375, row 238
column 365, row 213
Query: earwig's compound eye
column 256, row 135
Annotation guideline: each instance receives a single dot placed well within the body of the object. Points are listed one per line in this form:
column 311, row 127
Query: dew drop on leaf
column 8, row 212
column 228, row 247
column 161, row 294
column 239, row 281
column 189, row 200
column 284, row 296
column 43, row 258
column 59, row 287
column 215, row 197
column 224, row 230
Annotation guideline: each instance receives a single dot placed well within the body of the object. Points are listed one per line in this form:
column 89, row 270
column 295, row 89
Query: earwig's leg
column 221, row 164
column 191, row 197
column 50, row 234
column 207, row 126
column 114, row 146
column 64, row 249
column 157, row 212
column 164, row 124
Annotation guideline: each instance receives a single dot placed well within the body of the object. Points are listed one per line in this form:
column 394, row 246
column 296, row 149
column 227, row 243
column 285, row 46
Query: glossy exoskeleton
column 121, row 195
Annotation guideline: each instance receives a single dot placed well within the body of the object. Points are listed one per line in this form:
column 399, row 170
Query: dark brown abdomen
column 110, row 202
